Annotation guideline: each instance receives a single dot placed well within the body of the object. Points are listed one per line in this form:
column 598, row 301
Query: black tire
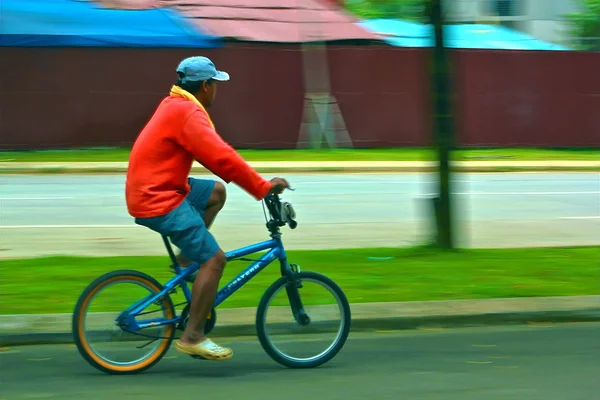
column 78, row 327
column 266, row 342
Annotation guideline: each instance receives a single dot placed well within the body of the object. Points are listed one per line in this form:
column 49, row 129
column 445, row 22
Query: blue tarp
column 66, row 23
column 465, row 36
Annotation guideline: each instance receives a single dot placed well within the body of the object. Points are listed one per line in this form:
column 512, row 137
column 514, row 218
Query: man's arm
column 210, row 150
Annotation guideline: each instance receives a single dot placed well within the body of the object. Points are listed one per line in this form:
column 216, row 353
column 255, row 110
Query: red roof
column 283, row 21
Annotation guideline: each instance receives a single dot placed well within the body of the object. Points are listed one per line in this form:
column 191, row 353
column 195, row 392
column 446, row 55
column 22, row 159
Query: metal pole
column 443, row 127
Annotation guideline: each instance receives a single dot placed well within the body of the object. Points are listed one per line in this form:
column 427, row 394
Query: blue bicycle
column 296, row 312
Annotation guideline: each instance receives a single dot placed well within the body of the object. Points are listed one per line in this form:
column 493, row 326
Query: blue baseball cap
column 195, row 69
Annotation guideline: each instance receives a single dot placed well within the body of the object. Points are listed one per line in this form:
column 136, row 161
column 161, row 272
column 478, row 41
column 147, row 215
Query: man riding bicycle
column 161, row 196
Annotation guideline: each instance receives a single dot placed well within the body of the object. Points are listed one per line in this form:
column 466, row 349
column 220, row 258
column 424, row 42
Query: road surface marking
column 475, row 193
column 590, row 217
column 483, row 345
column 34, row 198
column 517, row 193
column 132, row 225
column 479, row 362
column 39, row 359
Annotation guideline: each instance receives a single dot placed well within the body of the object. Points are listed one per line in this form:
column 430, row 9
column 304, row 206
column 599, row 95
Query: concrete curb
column 317, row 166
column 55, row 328
column 363, row 325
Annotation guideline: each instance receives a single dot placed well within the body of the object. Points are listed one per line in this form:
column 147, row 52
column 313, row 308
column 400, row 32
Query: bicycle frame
column 275, row 251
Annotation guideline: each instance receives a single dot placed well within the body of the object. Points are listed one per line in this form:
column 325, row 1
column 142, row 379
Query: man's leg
column 215, row 203
column 187, row 230
column 200, row 246
column 209, row 208
column 203, row 296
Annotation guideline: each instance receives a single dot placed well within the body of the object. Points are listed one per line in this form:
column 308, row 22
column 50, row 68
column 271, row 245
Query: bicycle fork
column 293, row 292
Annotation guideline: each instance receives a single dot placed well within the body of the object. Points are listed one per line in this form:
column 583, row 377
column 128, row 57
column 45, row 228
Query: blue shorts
column 185, row 226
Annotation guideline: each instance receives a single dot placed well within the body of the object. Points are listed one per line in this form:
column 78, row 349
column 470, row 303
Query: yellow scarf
column 179, row 92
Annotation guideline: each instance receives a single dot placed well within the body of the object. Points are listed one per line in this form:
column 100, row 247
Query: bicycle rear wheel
column 127, row 352
column 324, row 332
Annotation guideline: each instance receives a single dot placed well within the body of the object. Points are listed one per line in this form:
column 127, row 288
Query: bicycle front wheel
column 100, row 340
column 322, row 330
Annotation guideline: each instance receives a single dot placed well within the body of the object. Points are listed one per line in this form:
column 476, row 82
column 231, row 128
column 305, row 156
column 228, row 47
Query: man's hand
column 278, row 185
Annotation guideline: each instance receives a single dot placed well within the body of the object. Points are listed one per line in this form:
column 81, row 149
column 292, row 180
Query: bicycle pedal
column 198, row 357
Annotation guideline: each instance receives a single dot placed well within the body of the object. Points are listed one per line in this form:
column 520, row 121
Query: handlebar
column 282, row 213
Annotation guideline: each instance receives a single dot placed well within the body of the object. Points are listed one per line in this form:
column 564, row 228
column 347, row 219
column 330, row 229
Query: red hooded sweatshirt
column 161, row 160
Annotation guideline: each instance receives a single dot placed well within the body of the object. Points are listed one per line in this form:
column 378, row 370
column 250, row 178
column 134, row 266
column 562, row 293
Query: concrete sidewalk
column 56, row 328
column 318, row 166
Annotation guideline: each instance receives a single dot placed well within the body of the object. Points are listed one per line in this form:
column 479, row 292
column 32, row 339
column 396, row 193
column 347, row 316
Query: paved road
column 86, row 215
column 537, row 362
